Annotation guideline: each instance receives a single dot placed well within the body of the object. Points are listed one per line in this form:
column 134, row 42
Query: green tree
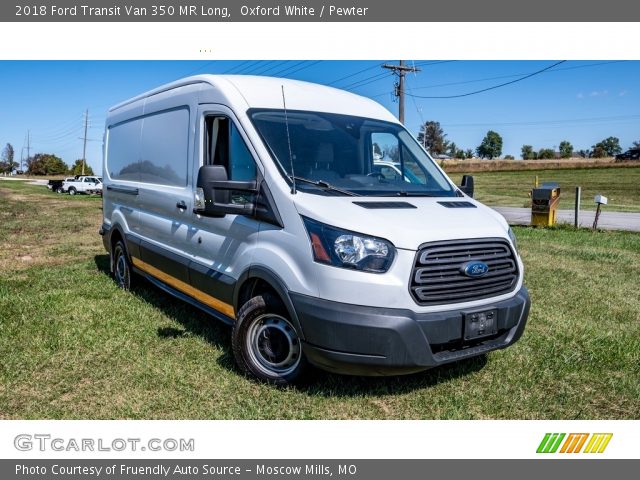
column 452, row 148
column 610, row 146
column 460, row 154
column 46, row 164
column 528, row 153
column 546, row 153
column 433, row 138
column 7, row 164
column 491, row 146
column 468, row 153
column 636, row 144
column 76, row 168
column 566, row 149
column 584, row 153
column 509, row 157
column 598, row 151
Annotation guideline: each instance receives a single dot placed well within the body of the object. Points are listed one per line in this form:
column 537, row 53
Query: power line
column 492, row 87
column 261, row 71
column 478, row 80
column 546, row 122
column 240, row 65
column 304, row 67
column 201, row 67
column 244, row 69
column 374, row 78
column 366, row 81
column 354, row 74
column 290, row 67
column 435, row 62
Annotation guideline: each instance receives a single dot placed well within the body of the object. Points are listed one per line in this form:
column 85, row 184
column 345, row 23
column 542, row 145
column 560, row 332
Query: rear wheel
column 122, row 272
column 59, row 190
column 72, row 191
column 265, row 342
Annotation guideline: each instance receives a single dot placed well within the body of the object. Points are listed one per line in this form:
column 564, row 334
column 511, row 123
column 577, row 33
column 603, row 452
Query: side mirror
column 214, row 193
column 467, row 185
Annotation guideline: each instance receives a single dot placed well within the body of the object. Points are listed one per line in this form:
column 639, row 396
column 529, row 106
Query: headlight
column 342, row 248
column 513, row 238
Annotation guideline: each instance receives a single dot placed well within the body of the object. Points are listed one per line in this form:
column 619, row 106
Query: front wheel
column 72, row 191
column 265, row 342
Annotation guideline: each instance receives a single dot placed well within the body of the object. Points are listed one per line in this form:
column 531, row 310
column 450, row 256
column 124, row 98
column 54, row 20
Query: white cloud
column 622, row 93
column 580, row 96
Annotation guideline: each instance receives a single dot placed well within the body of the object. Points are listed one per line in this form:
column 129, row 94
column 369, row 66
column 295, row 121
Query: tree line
column 41, row 164
column 434, row 140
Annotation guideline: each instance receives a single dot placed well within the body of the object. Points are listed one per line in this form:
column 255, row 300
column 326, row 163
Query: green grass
column 74, row 346
column 620, row 185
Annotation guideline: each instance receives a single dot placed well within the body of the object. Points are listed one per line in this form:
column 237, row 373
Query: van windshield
column 351, row 154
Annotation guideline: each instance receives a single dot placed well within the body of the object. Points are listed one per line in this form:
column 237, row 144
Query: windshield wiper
column 322, row 184
column 404, row 193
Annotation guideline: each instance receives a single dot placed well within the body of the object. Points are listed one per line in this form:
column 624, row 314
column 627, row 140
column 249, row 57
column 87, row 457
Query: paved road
column 34, row 181
column 608, row 220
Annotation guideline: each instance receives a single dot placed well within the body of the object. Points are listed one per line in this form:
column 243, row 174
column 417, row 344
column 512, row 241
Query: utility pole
column 400, row 70
column 28, row 147
column 84, row 145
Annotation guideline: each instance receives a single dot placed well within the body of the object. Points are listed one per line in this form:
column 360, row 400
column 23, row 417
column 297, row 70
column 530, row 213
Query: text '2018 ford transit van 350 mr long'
column 312, row 221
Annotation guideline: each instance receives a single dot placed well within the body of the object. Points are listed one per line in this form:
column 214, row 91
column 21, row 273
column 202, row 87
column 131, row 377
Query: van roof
column 266, row 92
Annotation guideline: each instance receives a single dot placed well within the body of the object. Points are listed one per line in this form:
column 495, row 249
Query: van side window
column 225, row 146
column 151, row 149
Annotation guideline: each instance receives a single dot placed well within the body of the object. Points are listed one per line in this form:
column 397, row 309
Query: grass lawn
column 620, row 185
column 74, row 346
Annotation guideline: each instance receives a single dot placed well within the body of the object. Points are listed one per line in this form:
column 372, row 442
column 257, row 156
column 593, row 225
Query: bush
column 546, row 154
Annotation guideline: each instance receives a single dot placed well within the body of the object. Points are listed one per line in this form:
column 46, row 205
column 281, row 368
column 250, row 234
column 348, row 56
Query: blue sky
column 580, row 101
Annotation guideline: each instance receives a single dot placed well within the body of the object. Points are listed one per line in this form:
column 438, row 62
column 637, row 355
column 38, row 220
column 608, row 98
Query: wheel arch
column 116, row 233
column 258, row 279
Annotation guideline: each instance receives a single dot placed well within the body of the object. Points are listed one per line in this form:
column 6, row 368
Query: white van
column 261, row 201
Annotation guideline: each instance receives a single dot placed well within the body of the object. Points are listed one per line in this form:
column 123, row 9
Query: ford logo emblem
column 475, row 269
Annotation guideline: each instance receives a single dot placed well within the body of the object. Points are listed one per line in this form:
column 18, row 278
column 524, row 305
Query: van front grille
column 439, row 278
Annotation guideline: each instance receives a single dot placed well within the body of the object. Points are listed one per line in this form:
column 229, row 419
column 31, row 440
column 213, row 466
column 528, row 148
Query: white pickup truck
column 86, row 184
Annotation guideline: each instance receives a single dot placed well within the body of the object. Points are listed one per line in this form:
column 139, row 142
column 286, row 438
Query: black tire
column 72, row 191
column 265, row 343
column 59, row 190
column 122, row 271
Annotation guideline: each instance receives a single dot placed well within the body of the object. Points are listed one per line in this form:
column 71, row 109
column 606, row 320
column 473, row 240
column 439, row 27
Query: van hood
column 421, row 220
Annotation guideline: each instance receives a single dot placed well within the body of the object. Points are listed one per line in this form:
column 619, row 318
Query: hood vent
column 457, row 204
column 384, row 205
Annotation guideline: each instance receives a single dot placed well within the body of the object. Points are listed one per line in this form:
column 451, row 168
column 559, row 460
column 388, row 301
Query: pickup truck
column 86, row 184
column 56, row 185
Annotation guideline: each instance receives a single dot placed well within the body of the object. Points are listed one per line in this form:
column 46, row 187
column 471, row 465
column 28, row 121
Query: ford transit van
column 311, row 221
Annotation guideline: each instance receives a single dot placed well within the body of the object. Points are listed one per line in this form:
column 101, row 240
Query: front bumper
column 360, row 340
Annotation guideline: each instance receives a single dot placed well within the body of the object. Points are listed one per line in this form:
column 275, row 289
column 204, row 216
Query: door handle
column 181, row 205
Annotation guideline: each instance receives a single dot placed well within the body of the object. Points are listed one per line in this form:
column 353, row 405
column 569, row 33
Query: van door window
column 225, row 146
